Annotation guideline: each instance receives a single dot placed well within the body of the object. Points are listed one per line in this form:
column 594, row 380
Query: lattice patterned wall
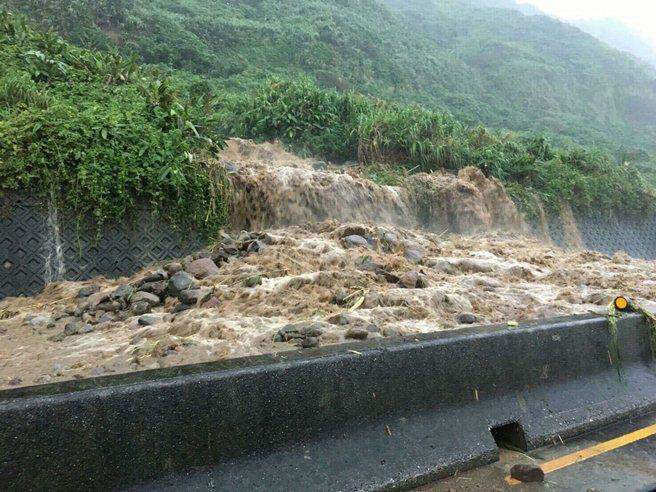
column 121, row 249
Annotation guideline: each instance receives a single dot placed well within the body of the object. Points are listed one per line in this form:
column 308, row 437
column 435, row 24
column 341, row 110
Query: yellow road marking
column 591, row 452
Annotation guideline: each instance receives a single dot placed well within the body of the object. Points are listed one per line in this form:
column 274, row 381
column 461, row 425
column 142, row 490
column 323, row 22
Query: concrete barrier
column 383, row 415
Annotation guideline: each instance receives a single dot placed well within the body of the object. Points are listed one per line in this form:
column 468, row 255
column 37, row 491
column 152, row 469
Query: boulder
column 202, row 268
column 195, row 297
column 355, row 241
column 141, row 296
column 181, row 281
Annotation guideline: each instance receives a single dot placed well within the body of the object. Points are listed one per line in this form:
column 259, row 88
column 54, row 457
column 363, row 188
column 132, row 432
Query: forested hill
column 487, row 65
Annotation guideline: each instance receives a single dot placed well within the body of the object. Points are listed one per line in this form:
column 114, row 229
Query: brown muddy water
column 332, row 258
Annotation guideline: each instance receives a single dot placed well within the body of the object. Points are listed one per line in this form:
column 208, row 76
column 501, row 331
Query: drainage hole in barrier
column 509, row 436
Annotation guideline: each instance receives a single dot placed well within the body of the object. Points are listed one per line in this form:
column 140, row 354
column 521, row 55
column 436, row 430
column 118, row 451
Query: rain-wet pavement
column 631, row 467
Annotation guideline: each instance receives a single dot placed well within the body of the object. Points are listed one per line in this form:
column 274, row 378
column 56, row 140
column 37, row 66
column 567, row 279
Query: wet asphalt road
column 628, row 468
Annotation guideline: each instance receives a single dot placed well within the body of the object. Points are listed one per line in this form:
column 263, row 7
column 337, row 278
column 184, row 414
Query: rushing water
column 55, row 267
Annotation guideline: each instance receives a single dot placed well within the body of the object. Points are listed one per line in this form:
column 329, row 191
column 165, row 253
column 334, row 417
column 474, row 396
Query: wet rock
column 41, row 321
column 310, row 342
column 110, row 307
column 442, row 266
column 156, row 276
column 299, row 331
column 366, row 264
column 253, row 281
column 181, row 281
column 147, row 297
column 59, row 337
column 73, row 328
column 413, row 254
column 254, row 247
column 173, row 268
column 527, row 473
column 413, row 280
column 106, row 318
column 390, row 241
column 203, row 253
column 69, row 310
column 388, row 276
column 141, row 307
column 467, row 319
column 212, row 303
column 86, row 328
column 181, row 307
column 357, row 334
column 80, row 309
column 339, row 319
column 202, row 268
column 355, row 241
column 341, row 297
column 371, row 328
column 149, row 319
column 98, row 298
column 390, row 331
column 122, row 293
column 195, row 297
column 85, row 292
column 157, row 288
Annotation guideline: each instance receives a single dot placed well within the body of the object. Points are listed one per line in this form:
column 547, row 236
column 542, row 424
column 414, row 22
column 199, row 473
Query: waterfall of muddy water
column 54, row 269
column 274, row 188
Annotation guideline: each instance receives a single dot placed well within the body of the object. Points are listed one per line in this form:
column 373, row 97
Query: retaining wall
column 378, row 415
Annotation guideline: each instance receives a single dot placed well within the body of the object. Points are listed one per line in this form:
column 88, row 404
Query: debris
column 527, row 473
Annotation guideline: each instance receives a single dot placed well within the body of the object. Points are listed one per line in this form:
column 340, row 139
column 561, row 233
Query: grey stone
column 73, row 328
column 253, row 281
column 357, row 334
column 173, row 268
column 141, row 296
column 527, row 473
column 182, row 307
column 122, row 293
column 341, row 297
column 106, row 317
column 86, row 328
column 87, row 291
column 409, row 280
column 390, row 331
column 310, row 342
column 195, row 297
column 299, row 331
column 39, row 321
column 442, row 266
column 413, row 255
column 202, row 268
column 80, row 309
column 157, row 288
column 355, row 241
column 156, row 276
column 141, row 307
column 467, row 319
column 181, row 281
column 390, row 241
column 149, row 319
column 59, row 337
column 97, row 298
column 339, row 319
column 110, row 307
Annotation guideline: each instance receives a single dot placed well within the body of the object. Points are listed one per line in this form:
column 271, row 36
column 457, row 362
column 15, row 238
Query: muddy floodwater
column 298, row 288
column 324, row 256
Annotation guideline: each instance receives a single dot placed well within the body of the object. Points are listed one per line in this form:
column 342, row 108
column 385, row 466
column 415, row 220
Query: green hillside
column 485, row 65
column 99, row 134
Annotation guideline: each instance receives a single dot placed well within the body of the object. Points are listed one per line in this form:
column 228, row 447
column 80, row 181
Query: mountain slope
column 620, row 36
column 490, row 66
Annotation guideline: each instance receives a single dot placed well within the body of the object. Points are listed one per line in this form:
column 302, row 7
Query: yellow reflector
column 621, row 303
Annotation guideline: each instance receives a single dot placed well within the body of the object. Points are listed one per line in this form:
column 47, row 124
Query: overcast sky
column 638, row 14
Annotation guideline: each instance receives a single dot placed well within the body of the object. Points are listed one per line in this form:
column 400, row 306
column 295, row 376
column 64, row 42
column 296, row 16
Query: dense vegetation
column 485, row 65
column 349, row 126
column 105, row 133
column 98, row 133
